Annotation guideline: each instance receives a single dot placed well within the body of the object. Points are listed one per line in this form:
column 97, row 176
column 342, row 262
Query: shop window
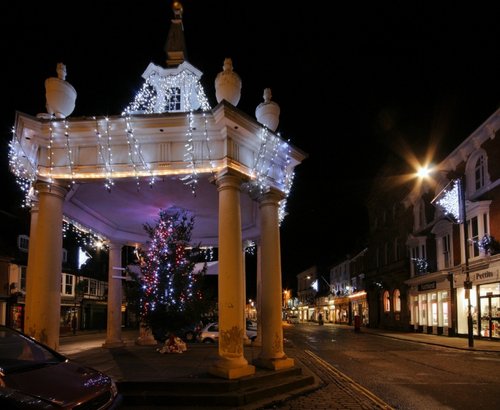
column 397, row 300
column 443, row 298
column 423, row 309
column 386, row 301
column 23, row 242
column 434, row 309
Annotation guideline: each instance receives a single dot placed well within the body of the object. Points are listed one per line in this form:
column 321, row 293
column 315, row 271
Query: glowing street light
column 286, row 297
column 423, row 172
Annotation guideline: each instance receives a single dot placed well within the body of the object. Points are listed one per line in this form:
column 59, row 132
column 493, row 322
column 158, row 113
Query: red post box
column 357, row 323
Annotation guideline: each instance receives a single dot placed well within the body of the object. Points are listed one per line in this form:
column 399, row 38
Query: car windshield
column 18, row 353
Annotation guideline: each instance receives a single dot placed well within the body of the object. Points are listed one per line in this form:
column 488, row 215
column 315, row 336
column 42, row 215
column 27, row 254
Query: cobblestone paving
column 336, row 390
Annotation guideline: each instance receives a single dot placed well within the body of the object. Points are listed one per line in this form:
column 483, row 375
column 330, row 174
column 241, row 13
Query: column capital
column 229, row 179
column 271, row 196
column 51, row 188
column 115, row 245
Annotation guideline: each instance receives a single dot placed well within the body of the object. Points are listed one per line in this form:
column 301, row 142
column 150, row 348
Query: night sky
column 354, row 84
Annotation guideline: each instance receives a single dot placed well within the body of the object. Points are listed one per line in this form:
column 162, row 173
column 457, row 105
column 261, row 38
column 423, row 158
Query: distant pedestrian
column 73, row 324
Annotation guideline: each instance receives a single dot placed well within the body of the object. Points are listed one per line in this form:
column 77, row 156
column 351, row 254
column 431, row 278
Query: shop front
column 485, row 303
column 359, row 307
column 343, row 310
column 431, row 303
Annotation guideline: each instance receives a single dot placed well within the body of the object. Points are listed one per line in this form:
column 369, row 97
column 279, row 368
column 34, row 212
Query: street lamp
column 451, row 199
column 286, row 296
column 467, row 282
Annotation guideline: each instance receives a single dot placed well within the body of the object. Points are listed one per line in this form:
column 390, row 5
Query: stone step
column 208, row 391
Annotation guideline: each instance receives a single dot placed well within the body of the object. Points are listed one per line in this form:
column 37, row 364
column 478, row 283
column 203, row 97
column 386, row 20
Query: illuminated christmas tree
column 172, row 294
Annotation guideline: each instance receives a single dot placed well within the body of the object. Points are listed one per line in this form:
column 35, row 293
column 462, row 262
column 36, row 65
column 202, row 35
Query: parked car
column 292, row 319
column 34, row 376
column 210, row 333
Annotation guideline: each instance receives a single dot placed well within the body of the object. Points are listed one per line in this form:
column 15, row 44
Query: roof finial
column 177, row 8
column 60, row 95
column 176, row 45
column 228, row 84
column 268, row 112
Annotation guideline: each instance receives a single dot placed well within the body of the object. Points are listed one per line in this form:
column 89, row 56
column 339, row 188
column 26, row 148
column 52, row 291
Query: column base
column 231, row 367
column 274, row 364
column 112, row 344
column 232, row 373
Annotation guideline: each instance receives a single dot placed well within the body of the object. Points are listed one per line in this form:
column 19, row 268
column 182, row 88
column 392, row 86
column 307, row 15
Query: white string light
column 190, row 179
column 273, row 155
column 69, row 153
column 449, row 202
column 164, row 91
column 84, row 235
column 105, row 155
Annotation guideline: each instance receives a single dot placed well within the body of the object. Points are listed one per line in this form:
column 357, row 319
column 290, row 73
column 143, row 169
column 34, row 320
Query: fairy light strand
column 105, row 156
column 69, row 154
column 163, row 91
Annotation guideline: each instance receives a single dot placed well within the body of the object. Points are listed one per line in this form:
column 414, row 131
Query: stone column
column 31, row 263
column 43, row 306
column 272, row 355
column 246, row 340
column 258, row 304
column 114, row 328
column 231, row 363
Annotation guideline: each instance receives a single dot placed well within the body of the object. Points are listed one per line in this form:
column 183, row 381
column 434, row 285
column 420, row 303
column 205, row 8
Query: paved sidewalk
column 462, row 343
column 135, row 363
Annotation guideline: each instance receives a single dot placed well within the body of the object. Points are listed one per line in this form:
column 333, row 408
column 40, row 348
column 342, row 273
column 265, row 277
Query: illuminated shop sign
column 427, row 286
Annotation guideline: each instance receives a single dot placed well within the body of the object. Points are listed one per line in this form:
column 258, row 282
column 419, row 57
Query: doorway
column 490, row 315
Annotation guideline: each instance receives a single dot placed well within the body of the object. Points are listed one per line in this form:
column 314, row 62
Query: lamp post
column 467, row 282
column 451, row 200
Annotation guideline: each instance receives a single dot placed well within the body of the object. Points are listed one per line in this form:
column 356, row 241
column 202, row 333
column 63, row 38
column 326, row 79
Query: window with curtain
column 479, row 173
column 397, row 300
column 386, row 301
